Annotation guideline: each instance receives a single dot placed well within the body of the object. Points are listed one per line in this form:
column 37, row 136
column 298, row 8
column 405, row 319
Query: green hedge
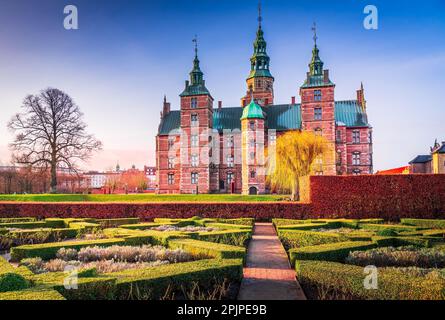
column 144, row 226
column 112, row 223
column 239, row 221
column 228, row 226
column 32, row 294
column 296, row 238
column 9, row 279
column 425, row 223
column 380, row 227
column 329, row 252
column 11, row 220
column 402, row 241
column 305, row 226
column 48, row 251
column 153, row 283
column 331, row 280
column 230, row 237
column 53, row 234
column 209, row 249
column 24, row 225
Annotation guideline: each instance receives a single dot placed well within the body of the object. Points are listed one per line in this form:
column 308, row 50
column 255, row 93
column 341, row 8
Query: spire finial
column 195, row 41
column 314, row 29
column 260, row 18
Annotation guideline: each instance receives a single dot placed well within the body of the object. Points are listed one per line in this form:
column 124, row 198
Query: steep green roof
column 252, row 111
column 279, row 117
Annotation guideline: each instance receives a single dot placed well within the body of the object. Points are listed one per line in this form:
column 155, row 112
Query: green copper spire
column 259, row 60
column 316, row 65
column 196, row 85
column 316, row 77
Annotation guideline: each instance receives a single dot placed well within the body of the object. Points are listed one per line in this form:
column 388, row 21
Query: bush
column 12, row 220
column 387, row 232
column 425, row 223
column 239, row 221
column 330, row 252
column 32, row 294
column 209, row 249
column 330, row 280
column 231, row 237
column 24, row 225
column 113, row 223
column 48, row 251
column 394, row 227
column 165, row 281
column 398, row 257
column 10, row 281
column 296, row 239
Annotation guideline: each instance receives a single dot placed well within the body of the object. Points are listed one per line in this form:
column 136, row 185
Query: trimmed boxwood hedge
column 210, row 249
column 9, row 279
column 11, row 220
column 24, row 225
column 331, row 280
column 298, row 238
column 330, row 251
column 153, row 283
column 48, row 251
column 425, row 223
column 32, row 294
column 60, row 233
column 112, row 223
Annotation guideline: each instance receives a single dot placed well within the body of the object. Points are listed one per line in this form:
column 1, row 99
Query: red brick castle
column 202, row 149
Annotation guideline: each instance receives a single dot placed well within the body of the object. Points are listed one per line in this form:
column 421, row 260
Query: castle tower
column 318, row 109
column 196, row 126
column 260, row 81
column 252, row 148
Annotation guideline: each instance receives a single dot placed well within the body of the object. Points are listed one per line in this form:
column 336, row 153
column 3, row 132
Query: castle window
column 194, row 160
column 370, row 137
column 272, row 139
column 230, row 161
column 338, row 135
column 356, row 158
column 252, row 143
column 318, row 132
column 230, row 177
column 194, row 120
column 356, row 172
column 194, row 140
column 194, row 103
column 171, row 143
column 317, row 95
column 194, row 178
column 171, row 163
column 252, row 125
column 339, row 157
column 230, row 141
column 170, row 178
column 355, row 136
column 317, row 113
column 252, row 174
column 319, row 166
column 252, row 155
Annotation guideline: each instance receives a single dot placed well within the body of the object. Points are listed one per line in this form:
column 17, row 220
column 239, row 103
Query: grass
column 139, row 198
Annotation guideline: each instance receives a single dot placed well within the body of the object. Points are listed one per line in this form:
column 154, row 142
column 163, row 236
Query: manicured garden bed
column 123, row 258
column 330, row 257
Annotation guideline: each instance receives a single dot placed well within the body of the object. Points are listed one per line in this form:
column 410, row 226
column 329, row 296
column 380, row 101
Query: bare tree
column 50, row 133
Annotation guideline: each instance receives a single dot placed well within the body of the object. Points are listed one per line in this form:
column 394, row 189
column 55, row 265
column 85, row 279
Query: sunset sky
column 127, row 54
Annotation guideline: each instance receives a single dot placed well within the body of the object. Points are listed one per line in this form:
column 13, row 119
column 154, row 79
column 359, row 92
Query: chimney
column 326, row 76
column 166, row 107
column 219, row 104
column 293, row 100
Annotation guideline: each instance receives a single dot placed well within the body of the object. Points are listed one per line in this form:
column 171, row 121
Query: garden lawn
column 139, row 198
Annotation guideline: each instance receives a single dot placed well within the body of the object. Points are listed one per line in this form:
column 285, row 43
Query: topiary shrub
column 10, row 281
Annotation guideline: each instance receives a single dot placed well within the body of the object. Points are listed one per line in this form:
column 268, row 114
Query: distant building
column 150, row 173
column 430, row 163
column 95, row 180
column 400, row 170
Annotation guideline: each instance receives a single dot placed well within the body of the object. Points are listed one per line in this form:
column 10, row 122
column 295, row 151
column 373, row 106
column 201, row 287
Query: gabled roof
column 279, row 117
column 421, row 159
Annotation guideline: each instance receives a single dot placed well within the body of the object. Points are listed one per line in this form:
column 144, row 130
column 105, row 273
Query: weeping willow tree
column 291, row 158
